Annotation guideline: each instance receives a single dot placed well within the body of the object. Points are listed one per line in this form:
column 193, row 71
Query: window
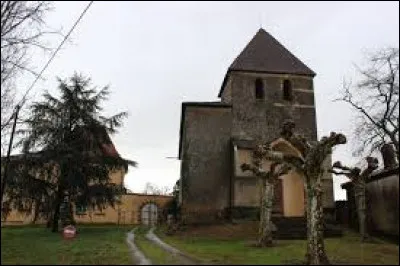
column 287, row 90
column 259, row 89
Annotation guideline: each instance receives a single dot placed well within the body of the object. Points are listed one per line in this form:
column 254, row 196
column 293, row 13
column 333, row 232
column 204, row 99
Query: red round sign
column 69, row 232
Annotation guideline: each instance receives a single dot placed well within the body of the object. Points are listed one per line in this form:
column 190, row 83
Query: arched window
column 287, row 90
column 259, row 89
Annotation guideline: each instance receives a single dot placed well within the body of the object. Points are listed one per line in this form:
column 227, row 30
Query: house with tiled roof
column 132, row 208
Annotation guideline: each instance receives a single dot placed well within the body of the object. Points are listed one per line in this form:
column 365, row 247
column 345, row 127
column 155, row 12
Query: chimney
column 388, row 155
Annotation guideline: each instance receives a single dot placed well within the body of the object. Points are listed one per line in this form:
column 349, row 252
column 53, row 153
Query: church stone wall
column 206, row 163
column 383, row 207
column 226, row 96
column 209, row 174
column 262, row 119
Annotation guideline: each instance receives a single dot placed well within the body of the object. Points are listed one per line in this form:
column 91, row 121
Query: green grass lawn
column 106, row 245
column 37, row 245
column 347, row 249
column 154, row 253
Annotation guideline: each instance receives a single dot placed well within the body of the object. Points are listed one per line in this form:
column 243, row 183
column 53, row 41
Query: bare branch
column 375, row 97
column 22, row 30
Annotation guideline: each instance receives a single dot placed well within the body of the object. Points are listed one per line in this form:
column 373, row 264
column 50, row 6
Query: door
column 149, row 214
column 278, row 199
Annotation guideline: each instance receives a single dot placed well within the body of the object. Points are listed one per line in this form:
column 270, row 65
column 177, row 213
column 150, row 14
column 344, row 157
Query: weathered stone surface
column 207, row 160
column 208, row 177
column 206, row 167
column 261, row 119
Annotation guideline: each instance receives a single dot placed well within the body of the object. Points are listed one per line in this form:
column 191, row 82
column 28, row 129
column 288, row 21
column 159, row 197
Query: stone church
column 264, row 85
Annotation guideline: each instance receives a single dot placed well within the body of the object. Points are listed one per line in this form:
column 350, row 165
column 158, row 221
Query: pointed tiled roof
column 265, row 54
column 105, row 143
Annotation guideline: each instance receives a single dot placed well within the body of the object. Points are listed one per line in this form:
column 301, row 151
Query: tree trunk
column 265, row 230
column 315, row 239
column 49, row 221
column 56, row 218
column 36, row 212
column 361, row 212
column 261, row 226
column 308, row 215
column 396, row 147
column 71, row 215
column 35, row 217
column 66, row 212
column 49, row 218
column 56, row 214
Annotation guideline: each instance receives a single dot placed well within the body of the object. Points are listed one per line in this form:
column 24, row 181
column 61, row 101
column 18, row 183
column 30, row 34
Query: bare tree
column 152, row 189
column 268, row 181
column 310, row 165
column 22, row 30
column 375, row 97
column 359, row 181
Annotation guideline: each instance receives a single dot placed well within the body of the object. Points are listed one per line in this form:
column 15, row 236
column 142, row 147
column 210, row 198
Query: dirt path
column 137, row 256
column 182, row 257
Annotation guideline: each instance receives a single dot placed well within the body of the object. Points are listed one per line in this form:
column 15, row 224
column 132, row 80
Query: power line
column 55, row 52
column 22, row 101
column 6, row 166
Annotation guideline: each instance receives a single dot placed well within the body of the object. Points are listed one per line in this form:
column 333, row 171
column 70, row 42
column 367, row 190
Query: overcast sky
column 155, row 55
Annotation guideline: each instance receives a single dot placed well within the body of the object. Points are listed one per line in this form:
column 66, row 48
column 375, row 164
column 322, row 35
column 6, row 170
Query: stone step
column 296, row 228
column 302, row 234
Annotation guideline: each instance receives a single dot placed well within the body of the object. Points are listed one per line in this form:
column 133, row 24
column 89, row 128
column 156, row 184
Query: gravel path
column 184, row 259
column 137, row 256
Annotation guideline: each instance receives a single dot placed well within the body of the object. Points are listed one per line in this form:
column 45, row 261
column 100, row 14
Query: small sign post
column 69, row 232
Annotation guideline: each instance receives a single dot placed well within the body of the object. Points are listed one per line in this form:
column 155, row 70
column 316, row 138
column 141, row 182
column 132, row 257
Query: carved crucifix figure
column 268, row 180
column 288, row 129
column 359, row 180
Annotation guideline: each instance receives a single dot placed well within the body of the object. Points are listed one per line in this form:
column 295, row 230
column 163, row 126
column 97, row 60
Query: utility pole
column 4, row 183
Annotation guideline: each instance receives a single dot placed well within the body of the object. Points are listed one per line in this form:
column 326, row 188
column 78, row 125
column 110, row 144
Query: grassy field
column 106, row 245
column 344, row 250
column 37, row 245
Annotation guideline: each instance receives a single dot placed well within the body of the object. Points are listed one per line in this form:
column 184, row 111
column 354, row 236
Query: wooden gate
column 278, row 200
column 149, row 214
